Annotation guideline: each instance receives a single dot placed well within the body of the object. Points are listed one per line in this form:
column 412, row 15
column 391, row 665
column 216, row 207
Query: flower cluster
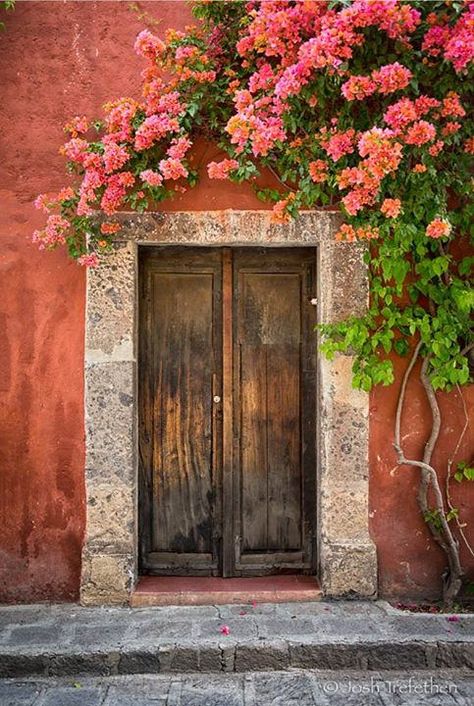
column 334, row 98
column 387, row 79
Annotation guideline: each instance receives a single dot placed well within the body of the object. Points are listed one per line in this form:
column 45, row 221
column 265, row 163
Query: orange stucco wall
column 57, row 60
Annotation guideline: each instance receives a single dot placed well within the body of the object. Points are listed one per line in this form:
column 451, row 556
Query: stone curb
column 268, row 655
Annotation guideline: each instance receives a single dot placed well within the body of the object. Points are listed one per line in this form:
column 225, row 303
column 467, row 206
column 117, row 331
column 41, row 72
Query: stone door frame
column 346, row 554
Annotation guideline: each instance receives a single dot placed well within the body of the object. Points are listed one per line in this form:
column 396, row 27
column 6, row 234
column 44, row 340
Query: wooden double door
column 227, row 388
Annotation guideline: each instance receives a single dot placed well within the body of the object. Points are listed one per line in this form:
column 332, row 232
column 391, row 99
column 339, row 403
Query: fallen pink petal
column 225, row 630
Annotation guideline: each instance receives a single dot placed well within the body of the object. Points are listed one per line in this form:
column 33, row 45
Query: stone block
column 326, row 656
column 349, row 569
column 395, row 655
column 140, row 661
column 259, row 656
column 111, row 305
column 106, row 579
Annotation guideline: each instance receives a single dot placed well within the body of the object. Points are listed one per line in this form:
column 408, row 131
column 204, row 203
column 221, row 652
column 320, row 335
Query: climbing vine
column 362, row 104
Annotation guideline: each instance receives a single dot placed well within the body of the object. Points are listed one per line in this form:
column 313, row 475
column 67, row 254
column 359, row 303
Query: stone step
column 70, row 640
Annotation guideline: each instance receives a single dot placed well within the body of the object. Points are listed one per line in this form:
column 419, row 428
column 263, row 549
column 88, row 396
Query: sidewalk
column 294, row 688
column 63, row 640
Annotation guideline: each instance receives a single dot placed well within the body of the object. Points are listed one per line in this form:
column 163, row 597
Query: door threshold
column 204, row 590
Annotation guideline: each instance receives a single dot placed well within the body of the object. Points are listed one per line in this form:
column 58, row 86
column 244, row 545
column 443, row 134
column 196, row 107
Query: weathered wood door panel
column 180, row 367
column 228, row 402
column 274, row 464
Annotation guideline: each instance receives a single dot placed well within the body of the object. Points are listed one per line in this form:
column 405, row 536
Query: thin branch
column 467, row 348
column 277, row 176
column 449, row 468
column 402, row 394
column 433, row 402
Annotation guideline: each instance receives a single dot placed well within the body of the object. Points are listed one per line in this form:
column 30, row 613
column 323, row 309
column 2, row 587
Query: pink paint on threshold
column 200, row 590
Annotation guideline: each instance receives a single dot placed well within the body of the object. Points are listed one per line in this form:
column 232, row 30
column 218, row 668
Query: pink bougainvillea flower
column 42, row 202
column 358, row 88
column 65, row 194
column 451, row 128
column 225, row 630
column 178, row 148
column 435, row 149
column 75, row 149
column 90, row 260
column 420, row 133
column 149, row 176
column 459, row 47
column 148, row 45
column 453, row 619
column 339, row 144
column 53, row 234
column 400, row 114
column 451, row 106
column 172, row 168
column 391, row 77
column 419, row 168
column 114, row 157
column 77, row 126
column 391, row 208
column 438, row 228
column 220, row 170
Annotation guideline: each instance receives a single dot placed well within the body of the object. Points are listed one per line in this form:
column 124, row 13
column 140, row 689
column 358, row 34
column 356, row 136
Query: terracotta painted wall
column 57, row 60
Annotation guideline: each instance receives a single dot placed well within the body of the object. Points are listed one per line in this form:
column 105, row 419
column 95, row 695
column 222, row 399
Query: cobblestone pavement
column 293, row 688
column 58, row 641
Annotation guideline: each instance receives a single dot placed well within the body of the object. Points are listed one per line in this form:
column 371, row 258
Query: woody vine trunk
column 435, row 515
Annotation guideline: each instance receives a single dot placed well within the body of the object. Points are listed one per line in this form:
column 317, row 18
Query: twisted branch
column 442, row 535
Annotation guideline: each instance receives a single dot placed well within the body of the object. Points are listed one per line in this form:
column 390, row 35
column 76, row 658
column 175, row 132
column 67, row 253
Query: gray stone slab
column 205, row 691
column 73, row 696
column 19, row 693
column 240, row 627
column 269, row 628
column 22, row 615
column 162, row 630
column 86, row 635
column 37, row 634
column 283, row 690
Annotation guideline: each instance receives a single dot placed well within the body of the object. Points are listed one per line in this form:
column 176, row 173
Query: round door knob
column 217, row 399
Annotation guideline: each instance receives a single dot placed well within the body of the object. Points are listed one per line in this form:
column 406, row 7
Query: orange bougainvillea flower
column 438, row 228
column 391, row 208
column 109, row 228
